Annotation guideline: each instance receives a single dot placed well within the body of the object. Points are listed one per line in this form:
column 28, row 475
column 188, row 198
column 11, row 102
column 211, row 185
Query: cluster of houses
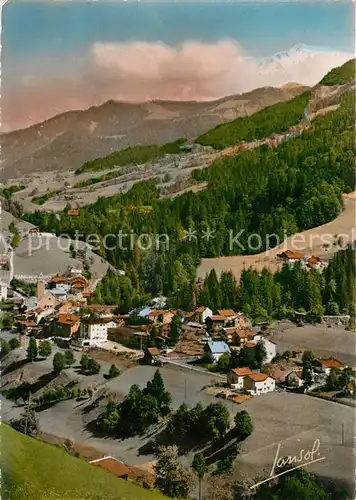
column 312, row 262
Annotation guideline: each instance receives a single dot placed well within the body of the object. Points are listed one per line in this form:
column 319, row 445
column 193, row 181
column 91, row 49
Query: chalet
column 235, row 377
column 201, row 314
column 215, row 322
column 290, row 256
column 241, row 337
column 259, row 383
column 215, row 349
column 326, row 365
column 294, row 378
column 315, row 262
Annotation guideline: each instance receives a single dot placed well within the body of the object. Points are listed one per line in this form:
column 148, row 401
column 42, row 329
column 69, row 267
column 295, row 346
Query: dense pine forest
column 263, row 191
column 273, row 119
column 340, row 75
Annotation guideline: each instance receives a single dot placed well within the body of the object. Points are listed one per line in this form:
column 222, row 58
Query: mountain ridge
column 67, row 140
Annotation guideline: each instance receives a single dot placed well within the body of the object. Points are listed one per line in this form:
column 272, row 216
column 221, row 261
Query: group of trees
column 171, row 476
column 138, row 411
column 7, row 346
column 199, row 424
column 89, row 366
column 292, row 188
column 338, row 380
column 60, row 394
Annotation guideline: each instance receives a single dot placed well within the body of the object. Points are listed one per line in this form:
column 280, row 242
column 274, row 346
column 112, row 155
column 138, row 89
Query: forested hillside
column 290, row 189
column 341, row 75
column 273, row 119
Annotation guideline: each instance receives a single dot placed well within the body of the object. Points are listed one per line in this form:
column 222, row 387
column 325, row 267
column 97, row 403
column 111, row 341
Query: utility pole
column 342, row 434
column 185, row 389
column 28, row 411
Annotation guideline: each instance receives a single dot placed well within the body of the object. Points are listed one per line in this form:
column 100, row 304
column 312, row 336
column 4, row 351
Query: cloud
column 141, row 71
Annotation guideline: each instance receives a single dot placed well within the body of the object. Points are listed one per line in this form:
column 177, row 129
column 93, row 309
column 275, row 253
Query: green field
column 33, row 470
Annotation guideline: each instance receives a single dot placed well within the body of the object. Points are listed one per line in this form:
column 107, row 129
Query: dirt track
column 308, row 242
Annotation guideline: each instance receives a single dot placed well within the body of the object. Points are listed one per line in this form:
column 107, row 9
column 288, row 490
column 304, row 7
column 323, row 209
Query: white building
column 3, row 290
column 202, row 313
column 93, row 333
column 259, row 383
column 270, row 350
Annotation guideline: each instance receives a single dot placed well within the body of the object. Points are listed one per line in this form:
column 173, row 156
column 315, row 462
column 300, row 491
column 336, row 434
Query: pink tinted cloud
column 143, row 71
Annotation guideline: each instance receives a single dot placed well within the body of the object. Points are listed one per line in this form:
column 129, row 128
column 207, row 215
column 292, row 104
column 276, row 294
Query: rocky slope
column 68, row 140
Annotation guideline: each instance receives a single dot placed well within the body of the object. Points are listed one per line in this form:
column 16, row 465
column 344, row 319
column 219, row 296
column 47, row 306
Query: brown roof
column 29, row 324
column 244, row 334
column 153, row 351
column 240, row 372
column 289, row 254
column 112, row 465
column 331, row 363
column 226, row 312
column 217, row 318
column 298, row 373
column 251, row 344
column 313, row 260
column 200, row 309
column 258, row 377
column 58, row 279
column 67, row 319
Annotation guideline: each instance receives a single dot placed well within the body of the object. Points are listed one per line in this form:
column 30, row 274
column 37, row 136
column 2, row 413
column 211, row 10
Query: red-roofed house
column 228, row 314
column 326, row 365
column 259, row 383
column 290, row 256
column 201, row 314
column 235, row 377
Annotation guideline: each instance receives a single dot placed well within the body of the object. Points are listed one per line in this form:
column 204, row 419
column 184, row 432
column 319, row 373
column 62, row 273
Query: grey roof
column 218, row 347
column 143, row 312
